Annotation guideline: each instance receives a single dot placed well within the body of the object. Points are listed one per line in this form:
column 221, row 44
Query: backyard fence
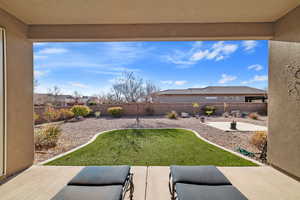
column 163, row 108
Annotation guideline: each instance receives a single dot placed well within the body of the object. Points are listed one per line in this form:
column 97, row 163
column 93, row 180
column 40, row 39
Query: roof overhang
column 146, row 12
column 112, row 20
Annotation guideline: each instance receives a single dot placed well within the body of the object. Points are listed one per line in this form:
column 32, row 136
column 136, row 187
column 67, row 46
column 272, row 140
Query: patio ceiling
column 145, row 11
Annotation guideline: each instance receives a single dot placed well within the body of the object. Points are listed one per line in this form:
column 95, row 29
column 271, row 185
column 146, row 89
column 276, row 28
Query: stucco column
column 284, row 95
column 19, row 151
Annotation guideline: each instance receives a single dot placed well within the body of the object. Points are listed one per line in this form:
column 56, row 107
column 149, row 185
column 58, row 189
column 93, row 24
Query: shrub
column 259, row 139
column 66, row 114
column 172, row 115
column 253, row 116
column 196, row 108
column 80, row 111
column 46, row 137
column 115, row 111
column 209, row 110
column 97, row 114
column 149, row 110
column 36, row 117
column 51, row 114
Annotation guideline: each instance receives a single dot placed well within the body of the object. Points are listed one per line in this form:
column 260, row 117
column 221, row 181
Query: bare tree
column 76, row 96
column 132, row 89
column 55, row 92
column 150, row 91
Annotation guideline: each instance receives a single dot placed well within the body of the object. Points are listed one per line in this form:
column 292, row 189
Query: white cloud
column 39, row 73
column 256, row 78
column 39, row 44
column 52, row 50
column 36, row 57
column 256, row 67
column 199, row 55
column 249, row 45
column 167, row 82
column 77, row 84
column 184, row 59
column 227, row 78
column 180, row 82
column 260, row 78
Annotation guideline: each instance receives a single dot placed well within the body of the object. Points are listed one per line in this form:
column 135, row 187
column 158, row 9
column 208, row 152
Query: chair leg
column 131, row 187
column 171, row 187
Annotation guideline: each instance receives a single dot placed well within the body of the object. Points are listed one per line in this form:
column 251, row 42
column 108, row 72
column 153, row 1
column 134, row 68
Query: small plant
column 80, row 111
column 51, row 114
column 36, row 117
column 253, row 116
column 115, row 111
column 97, row 114
column 66, row 114
column 46, row 137
column 196, row 109
column 149, row 110
column 259, row 139
column 209, row 110
column 233, row 125
column 172, row 115
column 202, row 119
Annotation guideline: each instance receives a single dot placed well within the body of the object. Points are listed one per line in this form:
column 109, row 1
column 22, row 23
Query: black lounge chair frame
column 172, row 188
column 128, row 187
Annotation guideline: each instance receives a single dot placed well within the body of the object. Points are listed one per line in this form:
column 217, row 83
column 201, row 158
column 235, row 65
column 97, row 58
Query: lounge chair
column 99, row 183
column 201, row 183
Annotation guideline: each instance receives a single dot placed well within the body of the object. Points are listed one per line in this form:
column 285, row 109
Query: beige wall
column 198, row 98
column 284, row 109
column 152, row 32
column 19, row 136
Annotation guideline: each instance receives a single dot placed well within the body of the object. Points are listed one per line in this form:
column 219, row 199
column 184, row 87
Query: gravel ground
column 78, row 133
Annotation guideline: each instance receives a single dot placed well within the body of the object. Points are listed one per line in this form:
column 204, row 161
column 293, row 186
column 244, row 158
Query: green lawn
column 150, row 147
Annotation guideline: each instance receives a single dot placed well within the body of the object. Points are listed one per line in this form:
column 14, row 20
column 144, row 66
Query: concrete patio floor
column 151, row 183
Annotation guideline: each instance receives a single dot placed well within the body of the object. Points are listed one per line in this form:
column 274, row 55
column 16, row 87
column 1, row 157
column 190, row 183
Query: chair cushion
column 89, row 193
column 202, row 175
column 208, row 192
column 101, row 175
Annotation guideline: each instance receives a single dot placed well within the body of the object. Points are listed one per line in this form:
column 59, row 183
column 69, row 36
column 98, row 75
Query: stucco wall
column 197, row 98
column 284, row 107
column 19, row 136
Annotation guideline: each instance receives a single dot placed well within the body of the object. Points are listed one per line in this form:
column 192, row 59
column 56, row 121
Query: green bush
column 172, row 115
column 66, row 114
column 51, row 114
column 115, row 111
column 80, row 110
column 46, row 137
column 209, row 110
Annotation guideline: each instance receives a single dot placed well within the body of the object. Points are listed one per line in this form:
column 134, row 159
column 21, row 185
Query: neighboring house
column 61, row 100
column 212, row 94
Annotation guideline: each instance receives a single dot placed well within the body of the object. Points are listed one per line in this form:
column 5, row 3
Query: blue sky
column 91, row 67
